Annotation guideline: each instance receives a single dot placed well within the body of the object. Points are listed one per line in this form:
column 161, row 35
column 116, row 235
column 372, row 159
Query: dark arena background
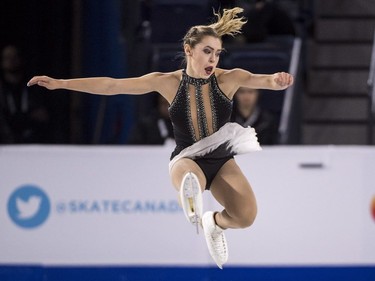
column 85, row 192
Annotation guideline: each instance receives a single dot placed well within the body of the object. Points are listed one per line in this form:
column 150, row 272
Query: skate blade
column 191, row 191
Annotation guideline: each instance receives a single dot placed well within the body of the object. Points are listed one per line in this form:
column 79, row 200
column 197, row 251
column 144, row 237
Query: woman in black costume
column 200, row 99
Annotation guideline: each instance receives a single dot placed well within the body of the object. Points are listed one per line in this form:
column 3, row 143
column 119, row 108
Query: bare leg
column 232, row 190
column 183, row 166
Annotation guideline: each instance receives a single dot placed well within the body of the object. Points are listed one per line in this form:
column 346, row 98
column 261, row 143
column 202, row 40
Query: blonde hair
column 228, row 23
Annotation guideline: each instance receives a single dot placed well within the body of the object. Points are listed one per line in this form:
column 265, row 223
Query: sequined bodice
column 199, row 109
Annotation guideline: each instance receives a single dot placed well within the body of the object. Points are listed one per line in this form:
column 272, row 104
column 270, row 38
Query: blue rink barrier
column 143, row 273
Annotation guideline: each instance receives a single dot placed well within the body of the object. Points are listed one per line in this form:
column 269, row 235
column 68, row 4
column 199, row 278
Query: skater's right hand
column 45, row 81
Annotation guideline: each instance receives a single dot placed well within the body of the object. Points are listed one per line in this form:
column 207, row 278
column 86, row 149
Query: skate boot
column 215, row 238
column 191, row 199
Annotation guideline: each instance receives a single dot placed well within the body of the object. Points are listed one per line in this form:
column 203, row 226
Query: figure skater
column 200, row 98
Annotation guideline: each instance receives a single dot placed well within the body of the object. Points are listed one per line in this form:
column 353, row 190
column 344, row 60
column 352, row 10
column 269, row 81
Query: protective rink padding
column 154, row 273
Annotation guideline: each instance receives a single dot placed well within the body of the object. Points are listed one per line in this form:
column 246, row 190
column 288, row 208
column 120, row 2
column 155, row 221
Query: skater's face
column 203, row 58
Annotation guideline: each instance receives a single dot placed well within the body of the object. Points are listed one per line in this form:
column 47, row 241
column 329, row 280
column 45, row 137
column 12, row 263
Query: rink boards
column 66, row 208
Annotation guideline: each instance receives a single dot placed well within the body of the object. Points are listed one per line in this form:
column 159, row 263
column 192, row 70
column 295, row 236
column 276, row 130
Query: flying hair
column 229, row 23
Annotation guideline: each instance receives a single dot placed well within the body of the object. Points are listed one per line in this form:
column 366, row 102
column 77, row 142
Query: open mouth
column 208, row 70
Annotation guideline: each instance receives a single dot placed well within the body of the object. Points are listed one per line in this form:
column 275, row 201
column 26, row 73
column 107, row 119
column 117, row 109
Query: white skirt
column 232, row 137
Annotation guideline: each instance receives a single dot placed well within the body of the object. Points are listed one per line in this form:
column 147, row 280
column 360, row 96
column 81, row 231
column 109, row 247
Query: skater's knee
column 184, row 166
column 246, row 218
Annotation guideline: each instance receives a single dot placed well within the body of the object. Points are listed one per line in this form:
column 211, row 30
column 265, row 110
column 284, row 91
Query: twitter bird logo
column 28, row 206
column 28, row 209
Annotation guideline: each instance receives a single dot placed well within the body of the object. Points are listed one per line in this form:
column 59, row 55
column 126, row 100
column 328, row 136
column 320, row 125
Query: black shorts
column 210, row 167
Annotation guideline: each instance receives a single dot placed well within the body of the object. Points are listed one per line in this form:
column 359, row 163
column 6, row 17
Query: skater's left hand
column 282, row 80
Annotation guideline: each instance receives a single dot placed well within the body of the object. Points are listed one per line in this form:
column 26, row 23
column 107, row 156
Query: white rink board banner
column 66, row 205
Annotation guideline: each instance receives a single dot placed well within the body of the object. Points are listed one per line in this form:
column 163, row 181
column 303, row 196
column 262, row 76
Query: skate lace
column 219, row 244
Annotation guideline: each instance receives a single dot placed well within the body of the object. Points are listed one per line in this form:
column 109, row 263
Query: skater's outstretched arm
column 242, row 78
column 105, row 85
